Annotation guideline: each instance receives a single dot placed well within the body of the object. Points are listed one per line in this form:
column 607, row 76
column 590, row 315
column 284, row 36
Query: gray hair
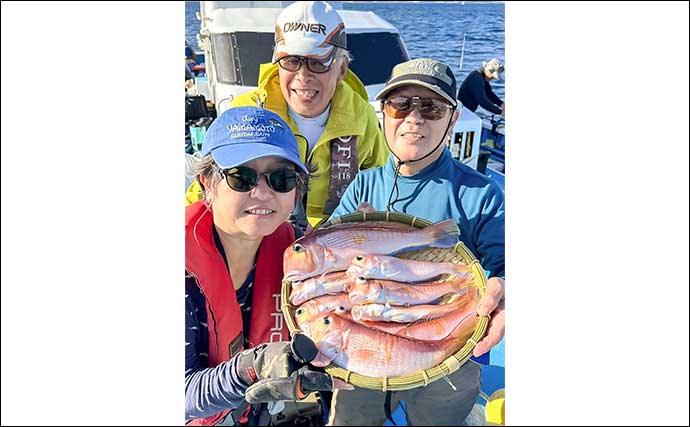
column 209, row 169
column 341, row 53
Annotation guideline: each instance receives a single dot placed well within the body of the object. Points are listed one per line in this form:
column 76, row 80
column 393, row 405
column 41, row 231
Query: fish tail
column 461, row 285
column 465, row 328
column 460, row 270
column 444, row 234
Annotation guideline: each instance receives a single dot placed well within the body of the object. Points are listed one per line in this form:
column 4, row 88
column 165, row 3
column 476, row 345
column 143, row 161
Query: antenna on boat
column 462, row 52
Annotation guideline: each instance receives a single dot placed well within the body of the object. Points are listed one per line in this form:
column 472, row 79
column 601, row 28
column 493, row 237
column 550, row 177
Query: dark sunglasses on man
column 293, row 63
column 399, row 107
column 243, row 179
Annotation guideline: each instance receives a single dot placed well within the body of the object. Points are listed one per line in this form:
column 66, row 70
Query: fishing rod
column 462, row 52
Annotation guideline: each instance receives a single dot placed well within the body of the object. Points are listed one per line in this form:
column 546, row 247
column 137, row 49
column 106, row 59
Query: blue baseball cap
column 244, row 134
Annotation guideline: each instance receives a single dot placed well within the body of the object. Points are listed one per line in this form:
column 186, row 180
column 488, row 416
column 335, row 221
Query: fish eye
column 362, row 278
column 298, row 248
column 299, row 311
column 326, row 320
column 359, row 257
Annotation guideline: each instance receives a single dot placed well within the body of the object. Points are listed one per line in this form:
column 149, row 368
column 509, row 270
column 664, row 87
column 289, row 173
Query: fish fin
column 444, row 234
column 461, row 285
column 428, row 318
column 345, row 339
column 432, row 316
column 387, row 268
column 321, row 360
column 465, row 327
column 390, row 276
column 461, row 270
column 329, row 254
column 454, row 299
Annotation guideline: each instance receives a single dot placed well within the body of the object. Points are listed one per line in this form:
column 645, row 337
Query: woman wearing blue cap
column 235, row 237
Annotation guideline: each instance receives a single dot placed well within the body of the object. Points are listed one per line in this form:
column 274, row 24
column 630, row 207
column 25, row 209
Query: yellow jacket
column 351, row 115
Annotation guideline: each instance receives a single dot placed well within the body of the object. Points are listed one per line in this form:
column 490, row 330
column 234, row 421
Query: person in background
column 188, row 77
column 237, row 346
column 422, row 179
column 190, row 56
column 310, row 86
column 476, row 91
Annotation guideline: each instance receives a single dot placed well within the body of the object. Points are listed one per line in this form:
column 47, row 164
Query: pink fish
column 402, row 270
column 371, row 352
column 341, row 305
column 326, row 303
column 395, row 293
column 430, row 322
column 327, row 284
column 332, row 249
column 387, row 327
column 458, row 325
column 388, row 313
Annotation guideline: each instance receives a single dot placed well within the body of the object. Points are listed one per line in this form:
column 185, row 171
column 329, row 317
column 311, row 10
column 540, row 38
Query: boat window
column 375, row 55
column 237, row 56
column 223, row 58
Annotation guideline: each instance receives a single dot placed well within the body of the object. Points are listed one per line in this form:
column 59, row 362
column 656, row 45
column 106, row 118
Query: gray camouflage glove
column 277, row 371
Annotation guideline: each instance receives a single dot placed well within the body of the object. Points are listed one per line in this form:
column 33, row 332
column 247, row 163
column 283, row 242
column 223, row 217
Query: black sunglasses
column 243, row 179
column 399, row 107
column 294, row 63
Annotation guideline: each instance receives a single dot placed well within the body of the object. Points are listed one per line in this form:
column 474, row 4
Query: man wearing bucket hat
column 476, row 90
column 237, row 348
column 422, row 179
column 310, row 86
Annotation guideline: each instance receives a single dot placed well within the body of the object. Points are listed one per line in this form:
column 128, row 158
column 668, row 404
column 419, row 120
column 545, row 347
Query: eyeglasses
column 294, row 63
column 430, row 108
column 243, row 179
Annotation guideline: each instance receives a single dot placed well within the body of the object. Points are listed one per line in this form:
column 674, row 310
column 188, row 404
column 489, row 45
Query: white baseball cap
column 308, row 28
column 493, row 67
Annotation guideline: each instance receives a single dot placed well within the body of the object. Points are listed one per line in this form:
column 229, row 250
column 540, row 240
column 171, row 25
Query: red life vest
column 224, row 315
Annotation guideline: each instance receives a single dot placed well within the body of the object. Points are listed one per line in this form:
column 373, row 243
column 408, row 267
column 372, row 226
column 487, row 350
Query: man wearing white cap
column 476, row 91
column 310, row 86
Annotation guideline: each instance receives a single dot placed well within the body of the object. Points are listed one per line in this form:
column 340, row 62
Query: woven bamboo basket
column 421, row 378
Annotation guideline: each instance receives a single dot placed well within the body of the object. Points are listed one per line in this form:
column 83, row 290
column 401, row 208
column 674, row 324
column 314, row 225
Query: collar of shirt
column 311, row 127
column 426, row 173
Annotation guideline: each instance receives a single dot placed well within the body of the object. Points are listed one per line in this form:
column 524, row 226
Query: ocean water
column 430, row 30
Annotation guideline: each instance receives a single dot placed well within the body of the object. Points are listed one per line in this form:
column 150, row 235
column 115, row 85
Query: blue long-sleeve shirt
column 445, row 189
